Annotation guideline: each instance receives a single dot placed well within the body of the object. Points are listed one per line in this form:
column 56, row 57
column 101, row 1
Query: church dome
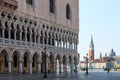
column 112, row 53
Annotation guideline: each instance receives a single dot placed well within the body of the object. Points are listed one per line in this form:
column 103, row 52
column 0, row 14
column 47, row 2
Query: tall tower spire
column 91, row 49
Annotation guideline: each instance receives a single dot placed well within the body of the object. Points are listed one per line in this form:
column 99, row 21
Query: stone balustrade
column 25, row 44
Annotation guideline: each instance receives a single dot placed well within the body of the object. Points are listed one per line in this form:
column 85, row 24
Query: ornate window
column 52, row 6
column 68, row 12
column 31, row 2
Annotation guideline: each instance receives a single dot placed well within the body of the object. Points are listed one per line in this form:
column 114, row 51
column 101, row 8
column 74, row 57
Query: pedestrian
column 108, row 70
column 23, row 71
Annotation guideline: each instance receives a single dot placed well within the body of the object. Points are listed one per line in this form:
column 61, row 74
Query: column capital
column 30, row 61
column 20, row 61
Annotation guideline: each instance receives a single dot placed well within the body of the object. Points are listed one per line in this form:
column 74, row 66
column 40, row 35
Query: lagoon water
column 97, row 69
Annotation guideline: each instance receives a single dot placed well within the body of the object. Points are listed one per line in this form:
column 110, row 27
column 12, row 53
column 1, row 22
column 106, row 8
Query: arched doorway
column 3, row 62
column 34, row 63
column 15, row 62
column 51, row 63
column 25, row 62
column 75, row 63
column 64, row 64
column 58, row 63
column 70, row 64
column 43, row 63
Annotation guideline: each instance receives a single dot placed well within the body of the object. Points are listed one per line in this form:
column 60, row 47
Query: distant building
column 91, row 49
column 117, row 62
column 102, row 61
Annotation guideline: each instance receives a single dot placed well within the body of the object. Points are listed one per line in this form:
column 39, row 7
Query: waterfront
column 93, row 75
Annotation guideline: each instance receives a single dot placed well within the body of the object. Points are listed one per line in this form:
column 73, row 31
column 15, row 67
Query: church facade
column 30, row 28
column 104, row 61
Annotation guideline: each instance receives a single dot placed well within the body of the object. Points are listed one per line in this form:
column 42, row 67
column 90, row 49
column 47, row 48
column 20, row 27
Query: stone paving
column 64, row 76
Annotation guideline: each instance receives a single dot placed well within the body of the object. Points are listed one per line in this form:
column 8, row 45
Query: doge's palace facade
column 27, row 27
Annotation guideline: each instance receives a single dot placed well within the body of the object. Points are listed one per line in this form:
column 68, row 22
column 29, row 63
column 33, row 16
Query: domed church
column 112, row 53
column 100, row 62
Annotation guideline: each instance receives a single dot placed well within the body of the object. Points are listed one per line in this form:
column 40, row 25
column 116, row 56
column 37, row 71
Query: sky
column 101, row 19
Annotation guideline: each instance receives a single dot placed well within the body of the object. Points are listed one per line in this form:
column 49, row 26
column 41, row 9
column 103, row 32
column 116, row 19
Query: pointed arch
column 51, row 62
column 26, row 60
column 68, row 12
column 64, row 59
column 15, row 61
column 7, row 53
column 35, row 61
column 70, row 60
column 75, row 60
column 5, row 56
column 17, row 52
column 64, row 63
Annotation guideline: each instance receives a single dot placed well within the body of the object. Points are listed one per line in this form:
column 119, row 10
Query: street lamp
column 45, row 59
column 86, row 59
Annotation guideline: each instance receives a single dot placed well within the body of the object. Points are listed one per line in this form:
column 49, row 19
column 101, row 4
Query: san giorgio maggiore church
column 110, row 60
column 31, row 28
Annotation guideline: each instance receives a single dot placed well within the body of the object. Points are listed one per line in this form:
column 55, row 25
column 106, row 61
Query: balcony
column 8, row 4
column 24, row 44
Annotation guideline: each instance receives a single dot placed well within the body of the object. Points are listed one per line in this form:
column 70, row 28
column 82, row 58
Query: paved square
column 64, row 76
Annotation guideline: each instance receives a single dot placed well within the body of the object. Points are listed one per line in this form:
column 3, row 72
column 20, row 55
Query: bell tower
column 91, row 49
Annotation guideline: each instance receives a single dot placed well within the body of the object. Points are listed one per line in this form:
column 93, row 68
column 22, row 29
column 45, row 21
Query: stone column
column 76, row 67
column 47, row 64
column 34, row 38
column 15, row 35
column 51, row 39
column 9, row 35
column 60, row 65
column 30, row 38
column 3, row 36
column 69, row 46
column 25, row 35
column 76, row 47
column 54, row 65
column 39, row 67
column 72, row 65
column 9, row 66
column 66, row 44
column 63, row 45
column 30, row 67
column 38, row 38
column 60, row 44
column 43, row 39
column 66, row 64
column 47, row 39
column 20, row 67
column 21, row 37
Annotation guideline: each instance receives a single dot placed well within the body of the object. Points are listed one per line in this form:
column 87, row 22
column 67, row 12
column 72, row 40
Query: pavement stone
column 64, row 76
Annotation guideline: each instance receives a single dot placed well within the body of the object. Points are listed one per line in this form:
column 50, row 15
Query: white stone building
column 29, row 26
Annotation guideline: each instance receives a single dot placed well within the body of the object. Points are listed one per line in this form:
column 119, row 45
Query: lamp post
column 45, row 59
column 86, row 59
